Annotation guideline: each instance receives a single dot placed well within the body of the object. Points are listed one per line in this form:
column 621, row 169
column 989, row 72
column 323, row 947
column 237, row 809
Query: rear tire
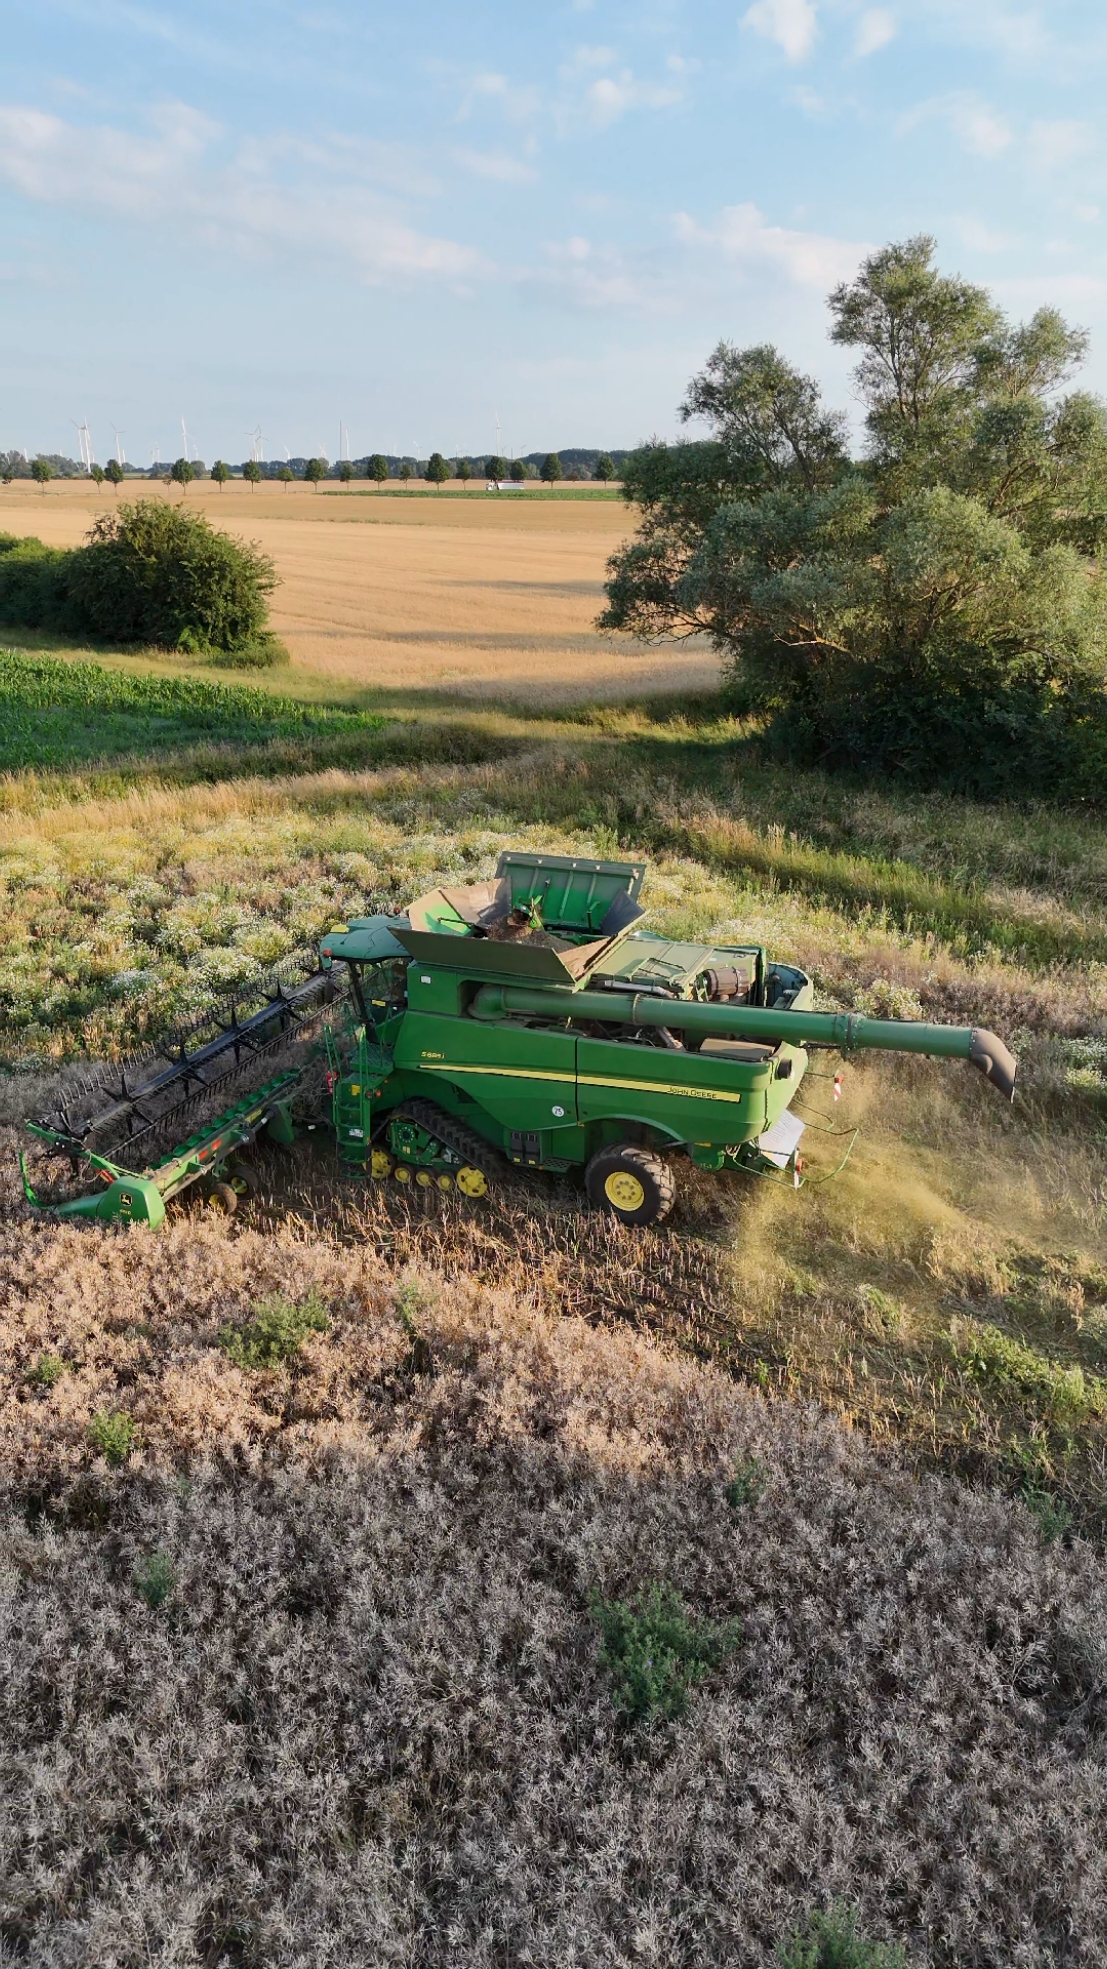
column 630, row 1183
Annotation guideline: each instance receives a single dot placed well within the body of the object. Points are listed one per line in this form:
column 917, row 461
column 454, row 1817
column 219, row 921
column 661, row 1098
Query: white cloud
column 604, row 98
column 979, row 127
column 590, row 276
column 496, row 164
column 741, row 237
column 874, row 30
column 586, row 57
column 612, row 95
column 518, row 102
column 1054, row 144
column 792, row 24
column 980, row 239
column 1087, row 214
column 182, row 177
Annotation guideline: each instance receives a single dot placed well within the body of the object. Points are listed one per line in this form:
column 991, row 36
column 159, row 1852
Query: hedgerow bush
column 149, row 573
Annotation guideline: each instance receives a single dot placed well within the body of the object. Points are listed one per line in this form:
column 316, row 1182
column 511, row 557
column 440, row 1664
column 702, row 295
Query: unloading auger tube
column 846, row 1032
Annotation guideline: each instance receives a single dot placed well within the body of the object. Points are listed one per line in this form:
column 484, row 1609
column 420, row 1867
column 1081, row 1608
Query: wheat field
column 475, row 598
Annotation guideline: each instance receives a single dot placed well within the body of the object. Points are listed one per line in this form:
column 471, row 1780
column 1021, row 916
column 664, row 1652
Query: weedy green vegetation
column 155, row 1579
column 747, row 1483
column 834, row 1941
column 113, row 1436
column 276, row 1333
column 46, row 1371
column 1060, row 1394
column 655, row 1654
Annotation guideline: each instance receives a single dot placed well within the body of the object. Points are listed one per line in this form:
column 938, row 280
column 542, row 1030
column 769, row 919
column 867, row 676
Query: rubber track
column 465, row 1141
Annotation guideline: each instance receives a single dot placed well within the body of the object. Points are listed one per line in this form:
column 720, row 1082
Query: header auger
column 528, row 1020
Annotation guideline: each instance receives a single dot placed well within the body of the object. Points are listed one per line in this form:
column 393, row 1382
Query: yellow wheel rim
column 381, row 1163
column 403, row 1173
column 623, row 1191
column 445, row 1182
column 424, row 1179
column 471, row 1182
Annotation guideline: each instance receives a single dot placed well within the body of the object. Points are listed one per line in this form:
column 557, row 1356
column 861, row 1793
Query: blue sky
column 416, row 219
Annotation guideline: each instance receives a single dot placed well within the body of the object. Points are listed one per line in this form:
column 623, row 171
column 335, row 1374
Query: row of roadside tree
column 438, row 469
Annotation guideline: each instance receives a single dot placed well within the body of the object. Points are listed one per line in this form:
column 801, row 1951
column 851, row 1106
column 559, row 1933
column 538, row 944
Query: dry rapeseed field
column 478, row 597
column 315, row 1677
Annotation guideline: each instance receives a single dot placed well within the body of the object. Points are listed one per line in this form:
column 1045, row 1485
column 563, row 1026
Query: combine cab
column 529, row 1020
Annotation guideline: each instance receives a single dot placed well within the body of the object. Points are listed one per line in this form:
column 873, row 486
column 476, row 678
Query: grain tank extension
column 529, row 1020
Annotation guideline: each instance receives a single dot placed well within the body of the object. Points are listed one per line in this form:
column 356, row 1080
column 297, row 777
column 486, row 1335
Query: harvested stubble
column 370, row 1702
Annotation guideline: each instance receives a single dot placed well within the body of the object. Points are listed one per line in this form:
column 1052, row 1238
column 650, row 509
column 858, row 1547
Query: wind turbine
column 84, row 439
column 184, row 438
column 119, row 452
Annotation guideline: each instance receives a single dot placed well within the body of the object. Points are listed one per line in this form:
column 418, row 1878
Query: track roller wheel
column 380, row 1164
column 222, row 1200
column 424, row 1178
column 475, row 1172
column 630, row 1183
column 403, row 1173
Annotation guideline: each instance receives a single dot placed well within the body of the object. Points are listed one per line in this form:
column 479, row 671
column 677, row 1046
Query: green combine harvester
column 528, row 1020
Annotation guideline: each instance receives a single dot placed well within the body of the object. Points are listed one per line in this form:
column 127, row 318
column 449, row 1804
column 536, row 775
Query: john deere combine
column 527, row 1020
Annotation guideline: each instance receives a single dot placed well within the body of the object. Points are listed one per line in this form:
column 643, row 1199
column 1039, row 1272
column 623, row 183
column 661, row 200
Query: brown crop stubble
column 371, row 1703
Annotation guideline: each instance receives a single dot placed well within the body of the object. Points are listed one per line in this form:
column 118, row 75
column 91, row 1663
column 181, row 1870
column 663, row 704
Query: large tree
column 954, row 562
column 376, row 468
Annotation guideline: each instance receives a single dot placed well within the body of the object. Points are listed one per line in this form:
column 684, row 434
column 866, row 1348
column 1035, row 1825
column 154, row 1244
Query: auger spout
column 847, row 1032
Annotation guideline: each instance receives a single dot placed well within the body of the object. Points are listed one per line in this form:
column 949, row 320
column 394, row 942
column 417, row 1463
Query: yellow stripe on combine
column 584, row 1080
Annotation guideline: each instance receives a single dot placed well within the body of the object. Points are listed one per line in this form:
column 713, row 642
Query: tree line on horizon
column 573, row 464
